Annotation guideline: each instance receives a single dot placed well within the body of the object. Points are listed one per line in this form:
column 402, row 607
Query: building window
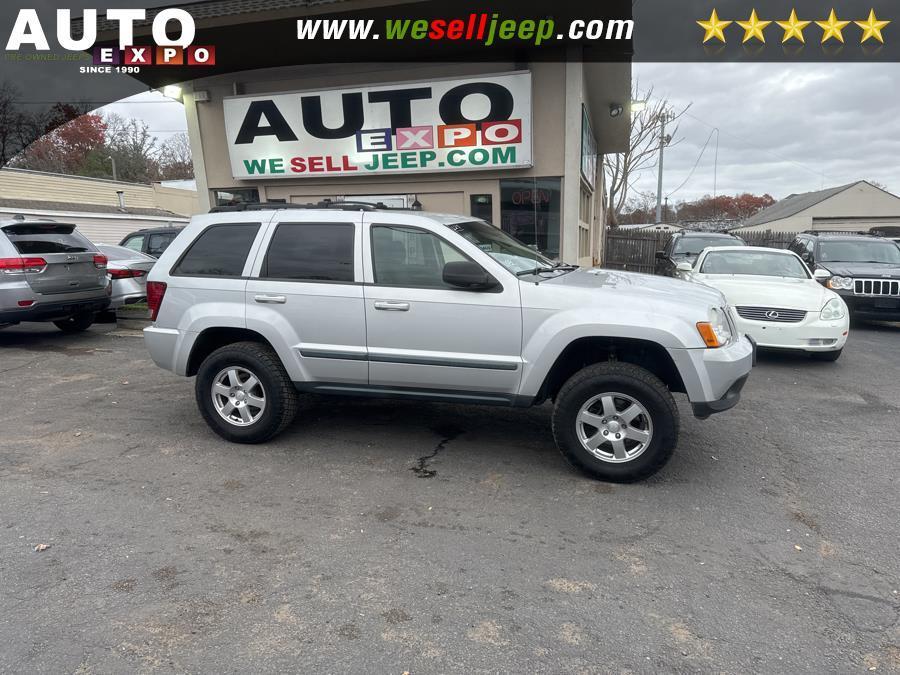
column 585, row 205
column 584, row 242
column 530, row 210
column 481, row 207
column 234, row 196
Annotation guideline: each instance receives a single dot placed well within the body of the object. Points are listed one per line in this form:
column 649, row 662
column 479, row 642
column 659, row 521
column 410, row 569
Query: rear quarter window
column 219, row 251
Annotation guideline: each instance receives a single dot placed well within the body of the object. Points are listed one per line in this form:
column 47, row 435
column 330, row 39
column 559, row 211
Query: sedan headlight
column 717, row 331
column 833, row 309
column 840, row 283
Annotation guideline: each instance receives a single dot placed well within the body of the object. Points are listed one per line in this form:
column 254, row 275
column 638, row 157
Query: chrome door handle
column 270, row 299
column 392, row 305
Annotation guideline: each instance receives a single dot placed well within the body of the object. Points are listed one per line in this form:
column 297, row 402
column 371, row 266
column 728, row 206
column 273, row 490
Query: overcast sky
column 783, row 128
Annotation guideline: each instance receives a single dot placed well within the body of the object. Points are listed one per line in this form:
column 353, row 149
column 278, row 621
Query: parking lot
column 386, row 537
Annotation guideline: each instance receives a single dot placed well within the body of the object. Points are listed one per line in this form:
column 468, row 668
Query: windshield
column 874, row 250
column 760, row 263
column 506, row 250
column 693, row 245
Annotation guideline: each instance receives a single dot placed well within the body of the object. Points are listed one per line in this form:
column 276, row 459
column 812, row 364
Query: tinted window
column 404, row 256
column 221, row 250
column 157, row 243
column 311, row 251
column 47, row 238
column 135, row 243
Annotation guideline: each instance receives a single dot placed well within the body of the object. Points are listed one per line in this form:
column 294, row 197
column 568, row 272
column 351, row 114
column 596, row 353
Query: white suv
column 262, row 301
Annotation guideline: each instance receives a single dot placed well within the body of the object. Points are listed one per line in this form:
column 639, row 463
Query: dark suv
column 151, row 241
column 686, row 246
column 864, row 269
column 50, row 272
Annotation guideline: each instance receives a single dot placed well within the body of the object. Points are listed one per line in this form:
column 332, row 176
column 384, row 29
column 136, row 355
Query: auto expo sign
column 442, row 125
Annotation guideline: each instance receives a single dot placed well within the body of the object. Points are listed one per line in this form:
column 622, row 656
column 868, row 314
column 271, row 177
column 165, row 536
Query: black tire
column 827, row 356
column 75, row 324
column 279, row 391
column 634, row 382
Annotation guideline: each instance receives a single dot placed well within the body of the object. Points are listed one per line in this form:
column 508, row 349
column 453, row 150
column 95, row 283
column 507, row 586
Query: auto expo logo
column 165, row 50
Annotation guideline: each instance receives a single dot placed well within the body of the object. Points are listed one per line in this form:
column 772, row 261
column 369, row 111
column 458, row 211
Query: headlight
column 840, row 283
column 717, row 331
column 833, row 309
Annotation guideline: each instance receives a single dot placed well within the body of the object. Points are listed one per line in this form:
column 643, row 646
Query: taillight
column 126, row 274
column 18, row 265
column 156, row 290
column 100, row 261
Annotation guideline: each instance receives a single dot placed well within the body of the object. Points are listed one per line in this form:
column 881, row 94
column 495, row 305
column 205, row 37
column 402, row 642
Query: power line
column 694, row 168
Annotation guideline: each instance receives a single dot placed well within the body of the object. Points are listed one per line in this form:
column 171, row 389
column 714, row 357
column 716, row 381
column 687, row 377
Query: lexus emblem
column 771, row 314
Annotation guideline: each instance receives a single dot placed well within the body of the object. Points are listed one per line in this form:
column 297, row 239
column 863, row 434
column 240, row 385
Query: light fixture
column 172, row 91
column 638, row 106
column 615, row 109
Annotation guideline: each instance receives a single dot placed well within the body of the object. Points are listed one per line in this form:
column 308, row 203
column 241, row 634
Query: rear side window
column 47, row 238
column 219, row 251
column 311, row 251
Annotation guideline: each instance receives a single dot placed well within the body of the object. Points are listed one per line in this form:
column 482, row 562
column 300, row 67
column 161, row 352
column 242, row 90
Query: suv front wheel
column 616, row 422
column 244, row 393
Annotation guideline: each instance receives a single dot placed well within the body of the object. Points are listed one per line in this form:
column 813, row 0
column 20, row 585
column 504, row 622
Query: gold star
column 793, row 27
column 753, row 27
column 832, row 28
column 872, row 27
column 713, row 27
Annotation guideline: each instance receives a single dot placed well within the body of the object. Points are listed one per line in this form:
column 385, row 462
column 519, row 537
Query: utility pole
column 113, row 160
column 663, row 141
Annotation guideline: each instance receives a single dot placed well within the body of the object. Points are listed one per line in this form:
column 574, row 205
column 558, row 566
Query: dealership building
column 516, row 143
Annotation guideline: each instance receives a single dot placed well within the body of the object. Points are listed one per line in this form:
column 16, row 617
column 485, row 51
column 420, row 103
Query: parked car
column 775, row 299
column 260, row 302
column 151, row 241
column 863, row 269
column 686, row 246
column 50, row 272
column 128, row 271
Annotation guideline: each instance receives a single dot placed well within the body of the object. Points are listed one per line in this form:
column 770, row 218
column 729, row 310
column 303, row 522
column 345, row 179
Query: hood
column 863, row 269
column 644, row 287
column 765, row 291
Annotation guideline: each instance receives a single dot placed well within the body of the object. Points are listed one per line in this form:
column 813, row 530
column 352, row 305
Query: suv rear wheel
column 244, row 393
column 616, row 422
column 75, row 324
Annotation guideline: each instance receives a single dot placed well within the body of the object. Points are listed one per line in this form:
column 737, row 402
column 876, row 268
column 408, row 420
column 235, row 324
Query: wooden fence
column 636, row 251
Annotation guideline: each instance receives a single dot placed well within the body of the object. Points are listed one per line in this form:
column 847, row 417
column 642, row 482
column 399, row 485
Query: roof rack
column 857, row 232
column 265, row 206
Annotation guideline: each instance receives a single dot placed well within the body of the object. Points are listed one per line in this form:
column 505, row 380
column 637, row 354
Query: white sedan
column 774, row 299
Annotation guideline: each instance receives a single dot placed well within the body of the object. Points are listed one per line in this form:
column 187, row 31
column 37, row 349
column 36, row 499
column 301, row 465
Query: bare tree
column 643, row 150
column 175, row 160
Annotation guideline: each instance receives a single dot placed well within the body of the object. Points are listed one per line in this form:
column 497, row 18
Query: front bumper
column 713, row 378
column 872, row 306
column 811, row 334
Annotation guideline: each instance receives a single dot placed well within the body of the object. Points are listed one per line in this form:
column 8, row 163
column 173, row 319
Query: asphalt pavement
column 384, row 537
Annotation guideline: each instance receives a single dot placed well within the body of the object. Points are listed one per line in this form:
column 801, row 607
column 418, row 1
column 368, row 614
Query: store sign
column 442, row 125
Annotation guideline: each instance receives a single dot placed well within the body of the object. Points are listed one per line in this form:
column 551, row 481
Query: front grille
column 876, row 287
column 774, row 314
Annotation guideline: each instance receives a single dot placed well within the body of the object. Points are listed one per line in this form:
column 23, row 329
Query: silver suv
column 262, row 301
column 50, row 272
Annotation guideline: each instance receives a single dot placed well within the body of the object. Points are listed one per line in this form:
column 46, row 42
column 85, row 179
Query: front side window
column 760, row 263
column 509, row 252
column 311, row 251
column 405, row 256
column 220, row 251
column 862, row 251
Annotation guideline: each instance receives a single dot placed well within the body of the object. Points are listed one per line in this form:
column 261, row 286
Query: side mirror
column 467, row 274
column 821, row 275
column 684, row 266
column 660, row 255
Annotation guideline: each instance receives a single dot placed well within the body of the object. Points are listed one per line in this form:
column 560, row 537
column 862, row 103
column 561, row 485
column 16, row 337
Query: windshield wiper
column 559, row 267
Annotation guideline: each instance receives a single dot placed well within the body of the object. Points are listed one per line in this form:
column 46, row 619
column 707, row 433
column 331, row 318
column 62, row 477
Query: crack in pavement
column 449, row 433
